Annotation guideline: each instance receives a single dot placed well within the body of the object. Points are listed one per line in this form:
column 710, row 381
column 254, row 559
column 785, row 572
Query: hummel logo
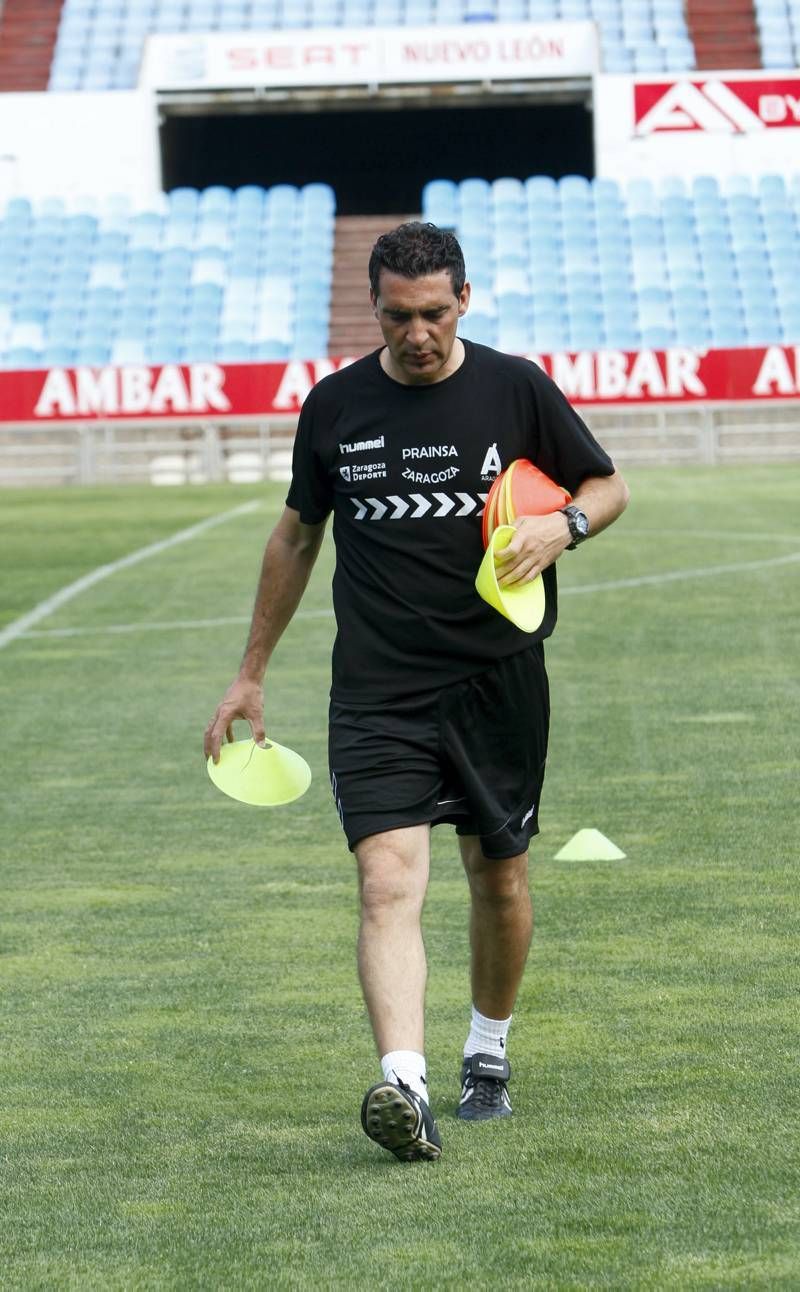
column 528, row 815
column 360, row 446
column 491, row 1067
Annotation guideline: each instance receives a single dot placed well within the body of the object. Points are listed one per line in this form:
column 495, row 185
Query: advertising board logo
column 716, row 106
column 187, row 61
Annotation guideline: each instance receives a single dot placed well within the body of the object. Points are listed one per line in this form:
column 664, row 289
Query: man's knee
column 501, row 881
column 392, row 871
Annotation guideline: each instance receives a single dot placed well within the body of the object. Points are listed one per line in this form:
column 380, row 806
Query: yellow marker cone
column 508, row 497
column 589, row 845
column 264, row 776
column 500, row 513
column 490, row 510
column 522, row 603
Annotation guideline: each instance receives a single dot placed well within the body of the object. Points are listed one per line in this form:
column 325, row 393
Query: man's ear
column 463, row 300
column 373, row 300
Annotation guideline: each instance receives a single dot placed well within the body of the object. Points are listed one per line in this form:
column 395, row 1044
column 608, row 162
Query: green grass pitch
column 184, row 1047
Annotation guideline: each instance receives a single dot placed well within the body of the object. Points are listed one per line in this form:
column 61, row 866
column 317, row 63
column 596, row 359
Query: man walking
column 439, row 706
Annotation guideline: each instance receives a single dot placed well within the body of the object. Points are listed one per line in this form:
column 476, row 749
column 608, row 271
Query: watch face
column 578, row 523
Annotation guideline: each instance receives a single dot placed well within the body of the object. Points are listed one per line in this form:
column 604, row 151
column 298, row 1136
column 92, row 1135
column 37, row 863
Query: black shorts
column 472, row 754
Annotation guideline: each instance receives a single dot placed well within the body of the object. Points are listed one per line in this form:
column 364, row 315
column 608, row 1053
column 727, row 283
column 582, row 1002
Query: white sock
column 407, row 1066
column 487, row 1035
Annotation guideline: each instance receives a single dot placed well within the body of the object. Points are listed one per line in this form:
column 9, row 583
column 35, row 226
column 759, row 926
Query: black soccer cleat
column 399, row 1120
column 484, row 1092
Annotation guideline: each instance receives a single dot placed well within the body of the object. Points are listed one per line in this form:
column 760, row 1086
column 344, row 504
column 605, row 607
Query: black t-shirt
column 405, row 471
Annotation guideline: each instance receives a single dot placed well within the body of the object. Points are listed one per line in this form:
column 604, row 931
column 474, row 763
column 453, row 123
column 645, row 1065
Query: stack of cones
column 521, row 490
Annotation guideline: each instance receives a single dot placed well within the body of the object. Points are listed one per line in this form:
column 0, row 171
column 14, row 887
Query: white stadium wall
column 80, row 143
column 694, row 123
column 697, row 123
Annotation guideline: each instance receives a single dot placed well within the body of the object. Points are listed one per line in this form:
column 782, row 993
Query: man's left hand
column 538, row 542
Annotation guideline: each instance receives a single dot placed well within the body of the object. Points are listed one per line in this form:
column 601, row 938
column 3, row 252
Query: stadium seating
column 215, row 274
column 586, row 264
column 778, row 24
column 238, row 275
column 100, row 42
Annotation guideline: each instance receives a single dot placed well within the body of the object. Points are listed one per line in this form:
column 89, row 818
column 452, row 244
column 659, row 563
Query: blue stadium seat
column 128, row 351
column 479, row 328
column 586, row 337
column 387, row 13
column 679, row 54
column 772, row 191
column 542, row 10
column 309, row 343
column 440, row 201
column 790, row 325
column 550, row 337
column 623, row 338
column 235, row 352
column 617, row 59
column 318, row 198
column 648, row 58
column 22, row 357
column 657, row 337
column 184, row 200
column 513, row 338
column 59, row 356
column 93, row 353
column 271, row 351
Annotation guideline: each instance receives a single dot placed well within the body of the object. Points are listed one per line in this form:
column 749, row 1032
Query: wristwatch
column 578, row 523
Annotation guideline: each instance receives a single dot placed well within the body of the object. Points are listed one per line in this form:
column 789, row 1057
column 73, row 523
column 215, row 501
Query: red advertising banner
column 717, row 104
column 221, row 392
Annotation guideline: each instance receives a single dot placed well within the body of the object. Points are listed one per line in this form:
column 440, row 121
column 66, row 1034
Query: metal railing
column 141, row 452
column 698, row 433
column 171, row 452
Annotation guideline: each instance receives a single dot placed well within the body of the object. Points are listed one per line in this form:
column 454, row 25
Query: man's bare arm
column 540, row 540
column 288, row 561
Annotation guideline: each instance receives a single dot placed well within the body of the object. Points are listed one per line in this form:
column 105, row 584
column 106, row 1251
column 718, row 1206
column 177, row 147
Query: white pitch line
column 751, row 536
column 677, row 576
column 162, row 625
column 639, row 581
column 19, row 627
column 157, row 625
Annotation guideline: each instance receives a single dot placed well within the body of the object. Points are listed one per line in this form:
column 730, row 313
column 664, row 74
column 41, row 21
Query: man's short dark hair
column 414, row 250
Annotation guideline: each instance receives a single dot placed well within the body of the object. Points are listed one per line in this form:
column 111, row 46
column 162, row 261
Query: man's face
column 418, row 318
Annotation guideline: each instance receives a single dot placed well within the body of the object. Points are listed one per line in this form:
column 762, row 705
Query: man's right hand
column 244, row 698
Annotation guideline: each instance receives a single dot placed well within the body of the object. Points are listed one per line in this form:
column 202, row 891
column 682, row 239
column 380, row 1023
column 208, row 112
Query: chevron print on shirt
column 416, row 505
